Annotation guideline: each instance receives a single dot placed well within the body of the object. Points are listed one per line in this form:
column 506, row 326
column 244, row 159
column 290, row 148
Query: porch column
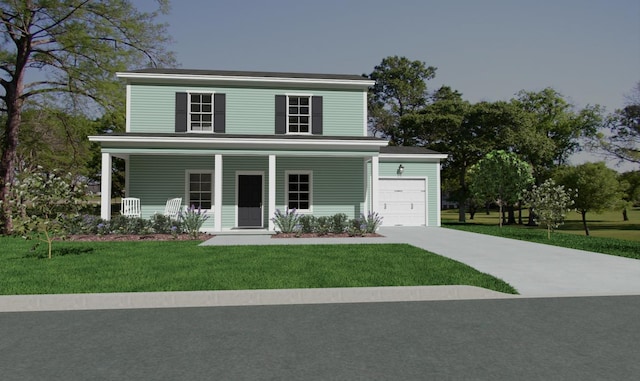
column 272, row 191
column 217, row 193
column 105, row 187
column 374, row 183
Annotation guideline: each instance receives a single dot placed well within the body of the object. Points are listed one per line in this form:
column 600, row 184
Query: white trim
column 286, row 188
column 189, row 93
column 238, row 174
column 105, row 187
column 438, row 196
column 421, row 156
column 242, row 141
column 365, row 130
column 217, row 193
column 187, row 199
column 375, row 184
column 426, row 192
column 127, row 111
column 272, row 191
column 364, row 83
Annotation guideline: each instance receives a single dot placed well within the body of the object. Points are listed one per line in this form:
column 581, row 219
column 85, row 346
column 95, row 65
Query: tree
column 42, row 201
column 551, row 129
column 400, row 89
column 465, row 131
column 70, row 48
column 630, row 185
column 596, row 185
column 623, row 141
column 500, row 177
column 551, row 203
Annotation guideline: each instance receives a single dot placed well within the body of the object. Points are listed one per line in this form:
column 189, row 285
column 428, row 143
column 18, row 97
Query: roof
column 241, row 136
column 247, row 78
column 237, row 73
column 402, row 150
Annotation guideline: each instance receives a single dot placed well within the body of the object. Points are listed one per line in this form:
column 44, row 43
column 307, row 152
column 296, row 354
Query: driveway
column 533, row 269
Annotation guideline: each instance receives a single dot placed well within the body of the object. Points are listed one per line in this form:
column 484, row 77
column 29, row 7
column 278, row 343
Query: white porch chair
column 130, row 207
column 172, row 208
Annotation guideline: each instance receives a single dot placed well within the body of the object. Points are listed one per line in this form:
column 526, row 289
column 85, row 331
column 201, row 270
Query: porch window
column 200, row 189
column 200, row 112
column 299, row 115
column 299, row 192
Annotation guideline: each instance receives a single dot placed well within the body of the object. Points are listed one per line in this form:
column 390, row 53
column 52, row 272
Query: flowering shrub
column 550, row 203
column 371, row 222
column 192, row 220
column 287, row 222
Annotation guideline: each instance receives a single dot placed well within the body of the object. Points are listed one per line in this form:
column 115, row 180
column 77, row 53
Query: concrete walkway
column 533, row 269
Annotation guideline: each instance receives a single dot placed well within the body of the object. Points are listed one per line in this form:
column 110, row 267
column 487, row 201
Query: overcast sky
column 588, row 50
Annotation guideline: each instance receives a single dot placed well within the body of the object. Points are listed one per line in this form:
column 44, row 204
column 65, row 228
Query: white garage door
column 402, row 202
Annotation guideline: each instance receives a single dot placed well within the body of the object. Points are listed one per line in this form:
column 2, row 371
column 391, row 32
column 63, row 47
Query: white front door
column 403, row 202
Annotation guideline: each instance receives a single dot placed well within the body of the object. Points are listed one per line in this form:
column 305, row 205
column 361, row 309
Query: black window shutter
column 219, row 112
column 316, row 116
column 181, row 112
column 281, row 114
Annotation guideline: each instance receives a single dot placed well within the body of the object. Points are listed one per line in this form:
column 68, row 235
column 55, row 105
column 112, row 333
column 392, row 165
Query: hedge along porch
column 336, row 177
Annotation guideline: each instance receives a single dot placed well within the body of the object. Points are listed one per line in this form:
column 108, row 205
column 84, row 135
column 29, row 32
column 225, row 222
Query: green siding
column 415, row 169
column 338, row 184
column 249, row 110
column 154, row 179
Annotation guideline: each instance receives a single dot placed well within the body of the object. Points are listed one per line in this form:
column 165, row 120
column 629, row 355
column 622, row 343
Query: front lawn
column 95, row 267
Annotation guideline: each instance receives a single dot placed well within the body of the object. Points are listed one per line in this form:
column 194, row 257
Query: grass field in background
column 607, row 225
column 95, row 267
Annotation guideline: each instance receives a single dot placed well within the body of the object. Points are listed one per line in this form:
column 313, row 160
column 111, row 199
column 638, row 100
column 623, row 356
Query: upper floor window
column 299, row 115
column 203, row 112
column 200, row 112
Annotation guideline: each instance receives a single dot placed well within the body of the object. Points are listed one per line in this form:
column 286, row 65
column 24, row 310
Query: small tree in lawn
column 550, row 202
column 41, row 201
column 500, row 177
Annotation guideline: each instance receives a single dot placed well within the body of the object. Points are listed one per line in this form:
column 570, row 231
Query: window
column 201, row 112
column 200, row 189
column 299, row 190
column 299, row 115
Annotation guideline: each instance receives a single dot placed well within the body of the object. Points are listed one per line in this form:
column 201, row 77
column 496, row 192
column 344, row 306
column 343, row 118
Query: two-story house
column 243, row 144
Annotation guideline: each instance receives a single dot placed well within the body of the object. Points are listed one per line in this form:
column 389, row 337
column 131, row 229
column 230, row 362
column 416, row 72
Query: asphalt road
column 590, row 338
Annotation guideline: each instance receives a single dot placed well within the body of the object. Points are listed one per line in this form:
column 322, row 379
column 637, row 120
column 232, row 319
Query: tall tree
column 465, row 131
column 596, row 185
column 623, row 140
column 70, row 48
column 400, row 89
column 551, row 129
column 500, row 177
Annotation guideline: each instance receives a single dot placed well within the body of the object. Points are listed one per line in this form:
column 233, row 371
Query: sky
column 588, row 50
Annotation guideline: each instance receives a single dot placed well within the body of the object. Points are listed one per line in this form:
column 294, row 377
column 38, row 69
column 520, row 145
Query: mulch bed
column 330, row 235
column 135, row 237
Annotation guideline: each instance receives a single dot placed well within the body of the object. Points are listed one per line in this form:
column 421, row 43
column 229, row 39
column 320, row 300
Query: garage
column 403, row 202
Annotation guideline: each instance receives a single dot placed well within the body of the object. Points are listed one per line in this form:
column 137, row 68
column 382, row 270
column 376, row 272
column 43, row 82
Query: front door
column 250, row 201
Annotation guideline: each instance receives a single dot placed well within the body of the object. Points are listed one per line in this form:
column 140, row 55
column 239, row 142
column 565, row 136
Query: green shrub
column 287, row 222
column 129, row 225
column 323, row 225
column 339, row 223
column 162, row 224
column 307, row 224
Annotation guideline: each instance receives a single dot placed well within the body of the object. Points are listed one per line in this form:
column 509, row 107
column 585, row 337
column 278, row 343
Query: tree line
column 541, row 128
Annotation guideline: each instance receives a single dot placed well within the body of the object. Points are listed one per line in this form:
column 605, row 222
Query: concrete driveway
column 533, row 269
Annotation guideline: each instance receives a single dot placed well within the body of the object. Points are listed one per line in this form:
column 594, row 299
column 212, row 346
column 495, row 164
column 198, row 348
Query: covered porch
column 250, row 177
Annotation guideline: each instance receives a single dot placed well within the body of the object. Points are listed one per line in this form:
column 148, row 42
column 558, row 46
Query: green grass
column 605, row 225
column 612, row 246
column 81, row 267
